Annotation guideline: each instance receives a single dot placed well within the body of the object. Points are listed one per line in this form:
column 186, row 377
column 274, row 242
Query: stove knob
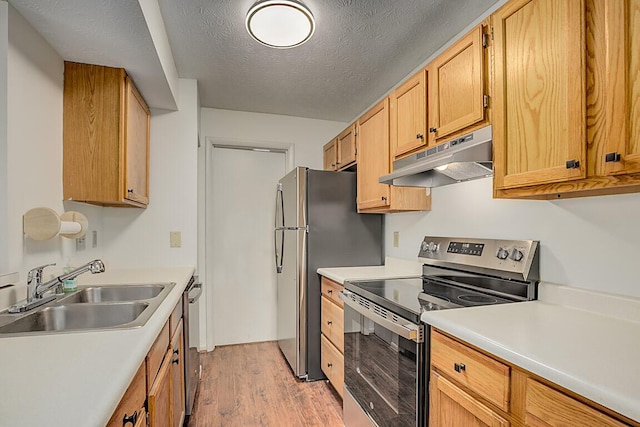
column 502, row 253
column 432, row 247
column 425, row 246
column 517, row 255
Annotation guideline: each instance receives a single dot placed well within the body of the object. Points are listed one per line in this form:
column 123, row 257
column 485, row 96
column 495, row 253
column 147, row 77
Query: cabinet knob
column 176, row 361
column 329, row 322
column 130, row 419
column 419, row 136
column 130, row 190
column 459, row 367
column 384, row 199
column 176, row 351
column 329, row 365
column 612, row 157
column 330, row 291
column 573, row 164
column 433, row 130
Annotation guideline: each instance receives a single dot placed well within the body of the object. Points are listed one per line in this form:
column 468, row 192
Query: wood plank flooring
column 249, row 385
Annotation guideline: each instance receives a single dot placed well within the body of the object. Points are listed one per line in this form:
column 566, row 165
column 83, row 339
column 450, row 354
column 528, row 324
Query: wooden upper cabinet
column 614, row 46
column 347, row 151
column 106, row 131
column 539, row 118
column 374, row 161
column 373, row 152
column 330, row 155
column 408, row 120
column 457, row 82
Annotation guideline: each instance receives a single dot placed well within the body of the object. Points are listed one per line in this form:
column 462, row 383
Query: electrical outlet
column 396, row 239
column 81, row 244
column 94, row 238
column 175, row 239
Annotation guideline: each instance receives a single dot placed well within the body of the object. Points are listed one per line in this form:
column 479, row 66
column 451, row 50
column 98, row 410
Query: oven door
column 383, row 366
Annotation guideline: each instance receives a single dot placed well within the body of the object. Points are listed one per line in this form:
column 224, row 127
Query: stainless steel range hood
column 461, row 159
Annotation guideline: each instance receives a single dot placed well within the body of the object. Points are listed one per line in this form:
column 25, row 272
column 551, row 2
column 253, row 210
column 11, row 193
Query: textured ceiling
column 360, row 50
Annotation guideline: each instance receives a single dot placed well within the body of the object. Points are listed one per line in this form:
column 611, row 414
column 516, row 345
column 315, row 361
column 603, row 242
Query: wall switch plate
column 81, row 244
column 396, row 239
column 94, row 238
column 175, row 239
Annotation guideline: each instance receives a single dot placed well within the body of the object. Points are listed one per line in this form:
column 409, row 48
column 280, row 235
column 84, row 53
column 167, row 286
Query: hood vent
column 461, row 159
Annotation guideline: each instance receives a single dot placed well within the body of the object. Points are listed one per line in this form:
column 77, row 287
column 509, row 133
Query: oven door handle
column 406, row 329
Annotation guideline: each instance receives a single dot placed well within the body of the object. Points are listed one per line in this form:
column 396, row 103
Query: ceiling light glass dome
column 280, row 24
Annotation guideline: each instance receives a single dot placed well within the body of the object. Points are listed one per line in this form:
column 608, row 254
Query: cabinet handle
column 419, row 136
column 329, row 365
column 130, row 191
column 176, row 361
column 459, row 367
column 130, row 419
column 329, row 322
column 573, row 164
column 176, row 351
column 433, row 130
column 333, row 164
column 330, row 291
column 384, row 199
column 612, row 157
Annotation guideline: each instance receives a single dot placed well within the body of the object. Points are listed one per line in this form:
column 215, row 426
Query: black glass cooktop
column 401, row 295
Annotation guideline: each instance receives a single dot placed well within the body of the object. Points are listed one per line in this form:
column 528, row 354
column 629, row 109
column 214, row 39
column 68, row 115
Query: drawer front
column 548, row 407
column 331, row 289
column 332, row 364
column 481, row 374
column 156, row 354
column 333, row 323
column 131, row 407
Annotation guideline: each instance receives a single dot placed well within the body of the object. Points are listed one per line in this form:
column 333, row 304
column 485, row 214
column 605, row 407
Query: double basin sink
column 90, row 308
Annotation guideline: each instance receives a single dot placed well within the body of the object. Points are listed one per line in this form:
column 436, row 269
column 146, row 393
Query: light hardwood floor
column 249, row 385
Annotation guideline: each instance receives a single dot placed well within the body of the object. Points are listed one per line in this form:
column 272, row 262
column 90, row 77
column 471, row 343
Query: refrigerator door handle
column 279, row 207
column 279, row 252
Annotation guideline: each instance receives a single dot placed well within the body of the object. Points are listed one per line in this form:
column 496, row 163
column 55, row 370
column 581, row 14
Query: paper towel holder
column 44, row 224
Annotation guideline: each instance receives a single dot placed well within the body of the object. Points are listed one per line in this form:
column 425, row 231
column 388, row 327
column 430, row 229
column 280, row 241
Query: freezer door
column 292, row 301
column 294, row 198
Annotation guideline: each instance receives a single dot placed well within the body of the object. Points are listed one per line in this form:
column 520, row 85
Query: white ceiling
column 360, row 50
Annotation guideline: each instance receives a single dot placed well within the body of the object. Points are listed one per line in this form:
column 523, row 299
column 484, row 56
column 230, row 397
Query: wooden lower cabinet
column 130, row 410
column 332, row 338
column 465, row 381
column 177, row 377
column 159, row 400
column 451, row 407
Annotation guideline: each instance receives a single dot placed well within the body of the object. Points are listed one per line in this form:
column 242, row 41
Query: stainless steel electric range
column 386, row 347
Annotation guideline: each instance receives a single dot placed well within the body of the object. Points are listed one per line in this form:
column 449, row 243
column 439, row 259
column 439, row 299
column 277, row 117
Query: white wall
column 140, row 237
column 303, row 138
column 33, row 150
column 591, row 242
column 4, row 47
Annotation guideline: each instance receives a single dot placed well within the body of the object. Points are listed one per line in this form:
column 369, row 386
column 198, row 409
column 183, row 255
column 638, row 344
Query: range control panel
column 510, row 256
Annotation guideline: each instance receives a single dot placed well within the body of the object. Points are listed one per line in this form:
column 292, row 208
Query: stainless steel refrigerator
column 316, row 225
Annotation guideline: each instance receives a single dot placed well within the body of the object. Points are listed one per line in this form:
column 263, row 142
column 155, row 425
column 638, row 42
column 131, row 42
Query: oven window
column 380, row 371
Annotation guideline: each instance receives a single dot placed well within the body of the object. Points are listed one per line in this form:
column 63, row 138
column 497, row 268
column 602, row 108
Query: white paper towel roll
column 68, row 227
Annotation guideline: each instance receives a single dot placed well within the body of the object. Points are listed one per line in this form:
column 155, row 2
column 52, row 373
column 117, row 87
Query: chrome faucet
column 36, row 289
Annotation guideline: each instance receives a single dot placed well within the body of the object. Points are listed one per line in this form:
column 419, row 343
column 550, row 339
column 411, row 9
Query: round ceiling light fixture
column 280, row 24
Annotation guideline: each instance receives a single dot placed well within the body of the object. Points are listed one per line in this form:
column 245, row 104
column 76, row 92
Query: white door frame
column 205, row 206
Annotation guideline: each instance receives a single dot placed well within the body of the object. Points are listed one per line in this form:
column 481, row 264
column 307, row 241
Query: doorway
column 241, row 259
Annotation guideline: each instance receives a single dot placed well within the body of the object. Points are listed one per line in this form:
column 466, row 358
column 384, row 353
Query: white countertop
column 78, row 379
column 393, row 268
column 584, row 341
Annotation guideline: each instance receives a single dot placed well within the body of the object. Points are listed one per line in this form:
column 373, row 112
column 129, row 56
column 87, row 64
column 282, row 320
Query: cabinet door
column 177, row 378
column 539, row 118
column 452, row 407
column 330, row 156
column 373, row 160
column 408, row 120
column 546, row 407
column 614, row 48
column 159, row 398
column 457, row 86
column 136, row 143
column 346, row 143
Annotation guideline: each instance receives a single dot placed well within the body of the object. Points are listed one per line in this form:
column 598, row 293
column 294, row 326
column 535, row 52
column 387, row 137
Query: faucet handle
column 36, row 273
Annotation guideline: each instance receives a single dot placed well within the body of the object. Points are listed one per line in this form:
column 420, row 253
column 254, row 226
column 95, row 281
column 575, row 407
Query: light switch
column 175, row 239
column 396, row 239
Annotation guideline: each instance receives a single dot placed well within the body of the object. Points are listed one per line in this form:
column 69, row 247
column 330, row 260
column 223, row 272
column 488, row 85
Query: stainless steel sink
column 91, row 308
column 112, row 293
column 75, row 317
